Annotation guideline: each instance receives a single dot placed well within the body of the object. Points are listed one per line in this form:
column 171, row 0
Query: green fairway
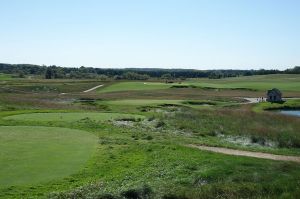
column 70, row 117
column 130, row 86
column 259, row 82
column 34, row 154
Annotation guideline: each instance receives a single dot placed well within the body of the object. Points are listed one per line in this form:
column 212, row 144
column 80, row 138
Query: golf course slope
column 35, row 154
column 70, row 117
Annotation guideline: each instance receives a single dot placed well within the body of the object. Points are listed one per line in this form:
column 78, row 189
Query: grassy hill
column 130, row 139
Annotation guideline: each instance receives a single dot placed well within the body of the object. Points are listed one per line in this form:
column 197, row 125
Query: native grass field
column 135, row 139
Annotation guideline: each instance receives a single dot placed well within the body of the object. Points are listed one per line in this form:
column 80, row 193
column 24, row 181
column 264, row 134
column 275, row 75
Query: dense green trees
column 295, row 70
column 54, row 72
column 135, row 76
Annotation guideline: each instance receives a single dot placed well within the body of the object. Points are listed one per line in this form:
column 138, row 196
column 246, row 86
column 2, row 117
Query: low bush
column 160, row 124
column 144, row 192
column 200, row 102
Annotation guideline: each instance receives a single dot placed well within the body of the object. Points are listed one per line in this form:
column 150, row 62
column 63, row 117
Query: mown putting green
column 35, row 154
column 70, row 117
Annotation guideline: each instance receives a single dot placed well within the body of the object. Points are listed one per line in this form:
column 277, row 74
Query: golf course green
column 35, row 154
column 69, row 117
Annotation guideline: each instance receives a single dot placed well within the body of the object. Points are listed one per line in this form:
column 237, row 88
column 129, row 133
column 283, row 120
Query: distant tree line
column 56, row 72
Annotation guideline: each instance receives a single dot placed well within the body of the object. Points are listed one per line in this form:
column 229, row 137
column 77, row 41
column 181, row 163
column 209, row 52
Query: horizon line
column 145, row 67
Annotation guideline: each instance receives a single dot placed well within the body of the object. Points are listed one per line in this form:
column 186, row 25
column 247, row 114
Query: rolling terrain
column 132, row 139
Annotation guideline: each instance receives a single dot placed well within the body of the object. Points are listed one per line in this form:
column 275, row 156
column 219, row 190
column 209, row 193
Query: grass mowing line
column 70, row 117
column 36, row 154
column 247, row 153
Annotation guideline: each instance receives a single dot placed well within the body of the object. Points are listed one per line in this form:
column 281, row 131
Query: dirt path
column 91, row 89
column 247, row 153
column 252, row 100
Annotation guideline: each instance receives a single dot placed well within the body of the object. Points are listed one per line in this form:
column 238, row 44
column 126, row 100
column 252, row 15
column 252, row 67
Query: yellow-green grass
column 35, row 154
column 51, row 87
column 70, row 117
column 154, row 102
column 258, row 82
column 126, row 159
column 5, row 76
column 133, row 86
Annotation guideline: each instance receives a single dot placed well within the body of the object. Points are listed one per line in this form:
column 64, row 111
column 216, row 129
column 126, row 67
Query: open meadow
column 138, row 139
column 137, row 99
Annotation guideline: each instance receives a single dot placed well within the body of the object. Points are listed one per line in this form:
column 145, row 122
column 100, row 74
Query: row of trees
column 54, row 72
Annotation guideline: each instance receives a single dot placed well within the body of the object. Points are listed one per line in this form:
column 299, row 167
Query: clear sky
column 201, row 34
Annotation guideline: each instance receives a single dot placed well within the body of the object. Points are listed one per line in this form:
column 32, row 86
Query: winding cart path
column 247, row 153
column 252, row 100
column 91, row 89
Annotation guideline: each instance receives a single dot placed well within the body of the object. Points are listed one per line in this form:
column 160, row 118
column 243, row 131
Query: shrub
column 258, row 140
column 129, row 119
column 200, row 102
column 151, row 118
column 149, row 137
column 141, row 193
column 160, row 124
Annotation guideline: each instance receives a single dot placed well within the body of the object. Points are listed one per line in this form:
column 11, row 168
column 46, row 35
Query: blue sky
column 201, row 34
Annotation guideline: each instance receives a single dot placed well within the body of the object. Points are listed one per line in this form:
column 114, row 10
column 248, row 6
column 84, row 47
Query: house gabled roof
column 275, row 91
